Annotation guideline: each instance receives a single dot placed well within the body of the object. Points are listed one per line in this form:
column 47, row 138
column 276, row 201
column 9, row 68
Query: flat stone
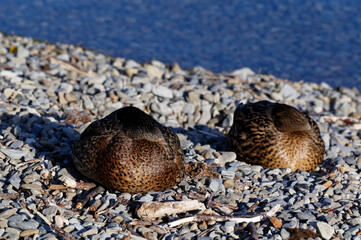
column 14, row 153
column 288, row 91
column 228, row 227
column 11, row 234
column 89, row 232
column 8, row 213
column 162, row 91
column 215, row 184
column 305, row 216
column 24, row 225
column 325, row 230
column 153, row 72
column 15, row 181
column 228, row 156
column 29, row 232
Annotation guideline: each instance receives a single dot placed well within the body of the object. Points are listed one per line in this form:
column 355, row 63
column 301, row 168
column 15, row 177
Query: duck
column 130, row 151
column 275, row 135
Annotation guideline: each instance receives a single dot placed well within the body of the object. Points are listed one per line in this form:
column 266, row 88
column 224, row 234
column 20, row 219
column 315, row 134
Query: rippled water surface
column 310, row 40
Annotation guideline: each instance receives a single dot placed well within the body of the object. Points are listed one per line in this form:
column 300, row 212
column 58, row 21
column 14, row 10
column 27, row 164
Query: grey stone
column 15, row 181
column 325, row 230
column 206, row 114
column 291, row 224
column 228, row 227
column 24, row 225
column 11, row 233
column 50, row 211
column 146, row 198
column 162, row 91
column 305, row 216
column 14, row 153
column 228, row 156
column 88, row 104
column 288, row 91
column 8, row 213
column 215, row 184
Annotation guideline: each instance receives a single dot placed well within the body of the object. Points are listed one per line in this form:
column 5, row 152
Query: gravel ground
column 50, row 93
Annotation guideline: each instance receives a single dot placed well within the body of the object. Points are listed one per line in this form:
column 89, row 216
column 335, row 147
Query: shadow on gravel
column 45, row 137
column 204, row 135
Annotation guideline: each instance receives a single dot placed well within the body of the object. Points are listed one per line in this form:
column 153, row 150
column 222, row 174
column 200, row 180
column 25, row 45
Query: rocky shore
column 50, row 93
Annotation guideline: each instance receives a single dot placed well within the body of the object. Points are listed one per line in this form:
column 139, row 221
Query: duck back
column 130, row 151
column 275, row 136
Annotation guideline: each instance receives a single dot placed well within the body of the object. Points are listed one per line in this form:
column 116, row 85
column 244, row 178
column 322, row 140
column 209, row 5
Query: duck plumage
column 130, row 151
column 275, row 135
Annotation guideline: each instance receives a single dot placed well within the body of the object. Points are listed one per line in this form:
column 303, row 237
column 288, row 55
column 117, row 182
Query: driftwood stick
column 72, row 67
column 59, row 231
column 90, row 194
column 35, row 160
column 42, row 217
column 95, row 205
column 238, row 219
column 71, row 183
column 154, row 210
column 253, row 207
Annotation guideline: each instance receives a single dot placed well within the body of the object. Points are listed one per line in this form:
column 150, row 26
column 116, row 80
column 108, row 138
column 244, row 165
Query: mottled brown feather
column 130, row 151
column 276, row 135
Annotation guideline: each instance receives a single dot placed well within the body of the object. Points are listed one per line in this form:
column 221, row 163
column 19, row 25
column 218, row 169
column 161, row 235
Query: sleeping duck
column 275, row 135
column 130, row 151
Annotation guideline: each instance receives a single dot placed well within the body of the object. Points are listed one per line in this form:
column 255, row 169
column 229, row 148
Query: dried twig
column 65, row 235
column 72, row 67
column 222, row 207
column 71, row 183
column 154, row 210
column 193, row 195
column 90, row 194
column 253, row 207
column 238, row 219
column 145, row 222
column 95, row 205
column 35, row 160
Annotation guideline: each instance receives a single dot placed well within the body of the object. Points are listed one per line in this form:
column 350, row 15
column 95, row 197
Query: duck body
column 275, row 135
column 130, row 151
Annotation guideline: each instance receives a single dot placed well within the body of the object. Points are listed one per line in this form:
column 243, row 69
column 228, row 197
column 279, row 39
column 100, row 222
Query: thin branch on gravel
column 72, row 67
column 95, row 205
column 90, row 194
column 35, row 160
column 145, row 222
column 71, row 183
column 253, row 207
column 239, row 219
column 154, row 210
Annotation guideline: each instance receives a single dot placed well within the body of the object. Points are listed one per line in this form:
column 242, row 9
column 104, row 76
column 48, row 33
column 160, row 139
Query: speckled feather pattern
column 131, row 152
column 276, row 135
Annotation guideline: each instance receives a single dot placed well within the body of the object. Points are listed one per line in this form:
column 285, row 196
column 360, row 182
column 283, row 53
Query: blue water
column 294, row 39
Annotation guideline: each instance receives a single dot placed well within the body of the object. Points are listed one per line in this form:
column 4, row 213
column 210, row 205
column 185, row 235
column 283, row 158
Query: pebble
column 14, row 153
column 215, row 184
column 196, row 104
column 325, row 230
column 162, row 91
column 24, row 225
column 29, row 232
column 8, row 213
column 228, row 227
column 228, row 156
